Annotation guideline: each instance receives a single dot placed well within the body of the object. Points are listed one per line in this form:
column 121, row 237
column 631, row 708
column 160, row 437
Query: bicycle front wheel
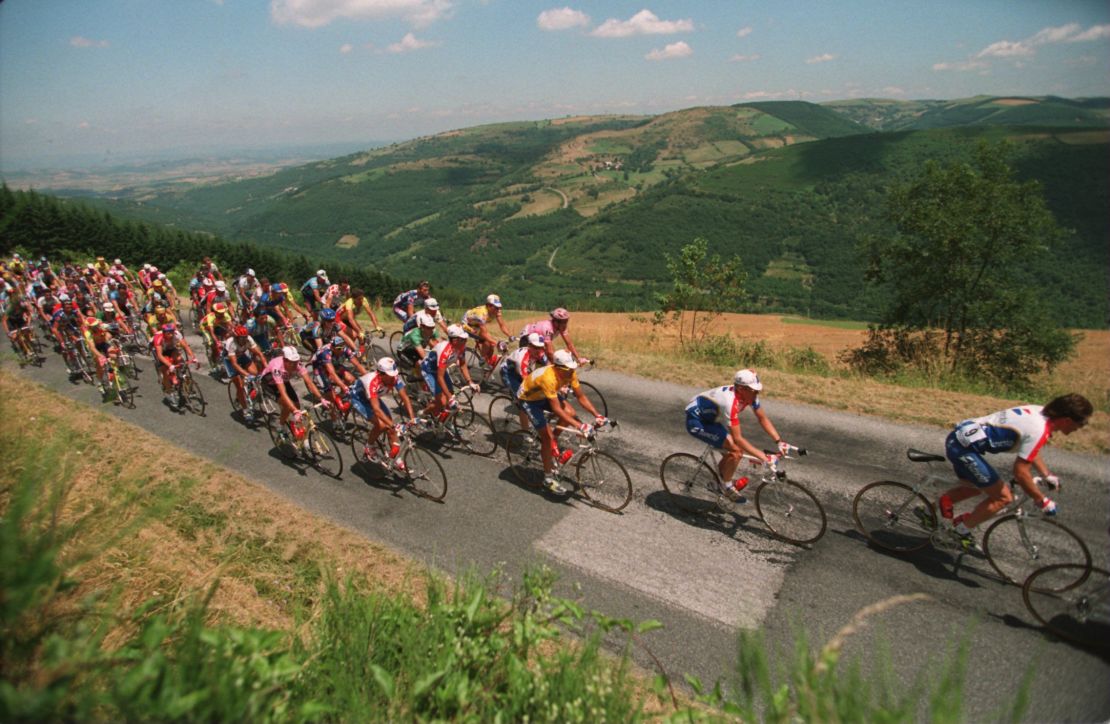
column 324, row 454
column 894, row 517
column 691, row 484
column 1016, row 546
column 425, row 474
column 279, row 436
column 1072, row 601
column 525, row 460
column 125, row 393
column 604, row 481
column 371, row 458
column 233, row 398
column 193, row 397
column 395, row 343
column 791, row 512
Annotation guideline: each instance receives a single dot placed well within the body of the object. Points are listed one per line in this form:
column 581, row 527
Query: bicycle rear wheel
column 525, row 460
column 279, row 436
column 1072, row 601
column 1016, row 546
column 479, row 438
column 425, row 474
column 374, row 467
column 791, row 512
column 395, row 343
column 893, row 517
column 474, row 364
column 604, row 481
column 691, row 484
column 233, row 398
column 323, row 454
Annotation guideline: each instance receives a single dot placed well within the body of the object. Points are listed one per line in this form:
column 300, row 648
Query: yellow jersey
column 543, row 383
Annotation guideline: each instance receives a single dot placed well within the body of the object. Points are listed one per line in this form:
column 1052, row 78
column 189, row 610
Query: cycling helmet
column 100, row 258
column 457, row 332
column 494, row 301
column 565, row 360
column 327, row 315
column 431, row 303
column 220, row 286
column 747, row 378
column 169, row 327
column 157, row 283
column 107, row 307
column 291, row 354
column 219, row 307
column 338, row 341
column 250, row 272
column 424, row 319
column 63, row 297
column 146, row 267
column 321, row 273
column 153, row 269
column 278, row 288
column 560, row 314
column 535, row 339
column 240, row 331
column 114, row 261
column 207, row 282
column 387, row 366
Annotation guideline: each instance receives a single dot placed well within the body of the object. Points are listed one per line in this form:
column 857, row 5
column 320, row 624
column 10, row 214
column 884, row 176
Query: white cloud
column 346, row 48
column 408, row 44
column 1095, row 32
column 823, row 58
column 961, row 66
column 1006, row 49
column 317, row 13
column 674, row 50
column 744, row 32
column 79, row 42
column 644, row 22
column 562, row 19
column 741, row 58
column 893, row 90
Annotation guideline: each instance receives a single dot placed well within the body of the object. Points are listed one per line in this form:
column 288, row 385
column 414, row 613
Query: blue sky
column 118, row 78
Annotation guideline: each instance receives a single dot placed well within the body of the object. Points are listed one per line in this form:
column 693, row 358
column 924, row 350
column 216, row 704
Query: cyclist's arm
column 585, row 402
column 189, row 356
column 742, row 442
column 1023, row 476
column 767, row 425
column 567, row 343
column 501, row 324
column 370, row 312
column 329, row 371
column 312, row 388
column 563, row 412
column 357, row 365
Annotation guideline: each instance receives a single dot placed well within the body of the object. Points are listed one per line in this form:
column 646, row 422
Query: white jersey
column 1023, row 430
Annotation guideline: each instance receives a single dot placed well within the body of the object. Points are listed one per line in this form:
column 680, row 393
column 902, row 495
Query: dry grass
column 631, row 343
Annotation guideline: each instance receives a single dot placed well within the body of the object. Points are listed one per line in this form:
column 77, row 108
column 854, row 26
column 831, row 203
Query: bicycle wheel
column 474, row 364
column 464, row 416
column 690, row 482
column 233, row 398
column 1072, row 601
column 424, row 473
column 125, row 393
column 791, row 512
column 604, row 481
column 370, row 457
column 279, row 436
column 525, row 460
column 893, row 517
column 503, row 417
column 192, row 395
column 595, row 397
column 1016, row 546
column 395, row 343
column 479, row 438
column 323, row 454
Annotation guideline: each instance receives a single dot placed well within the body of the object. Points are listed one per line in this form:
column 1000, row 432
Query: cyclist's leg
column 717, row 436
column 975, row 472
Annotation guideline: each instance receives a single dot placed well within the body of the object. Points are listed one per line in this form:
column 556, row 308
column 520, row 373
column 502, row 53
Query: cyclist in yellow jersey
column 350, row 309
column 475, row 322
column 539, row 394
column 102, row 267
column 160, row 317
column 216, row 327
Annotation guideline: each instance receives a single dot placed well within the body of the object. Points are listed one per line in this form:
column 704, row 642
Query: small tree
column 701, row 284
column 965, row 234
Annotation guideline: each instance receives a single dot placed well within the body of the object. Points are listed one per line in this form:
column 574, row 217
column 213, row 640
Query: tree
column 966, row 233
column 700, row 284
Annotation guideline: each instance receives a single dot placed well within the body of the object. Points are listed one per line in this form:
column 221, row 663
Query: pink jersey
column 276, row 370
column 545, row 328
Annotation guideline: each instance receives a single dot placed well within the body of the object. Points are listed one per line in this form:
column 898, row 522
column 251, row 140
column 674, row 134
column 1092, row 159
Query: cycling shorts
column 968, row 464
column 402, row 313
column 512, row 380
column 363, row 406
column 537, row 411
column 433, row 384
column 713, row 433
column 244, row 361
column 269, row 384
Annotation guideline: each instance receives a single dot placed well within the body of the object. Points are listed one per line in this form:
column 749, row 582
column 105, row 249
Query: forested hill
column 580, row 211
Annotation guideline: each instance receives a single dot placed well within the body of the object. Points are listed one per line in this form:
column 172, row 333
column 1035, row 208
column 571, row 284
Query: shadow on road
column 930, row 561
column 713, row 519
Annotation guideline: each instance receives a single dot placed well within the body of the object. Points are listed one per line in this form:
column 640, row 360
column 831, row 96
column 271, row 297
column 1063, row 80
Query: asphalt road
column 704, row 580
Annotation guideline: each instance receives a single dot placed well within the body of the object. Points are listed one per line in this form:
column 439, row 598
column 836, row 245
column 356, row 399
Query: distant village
column 608, row 164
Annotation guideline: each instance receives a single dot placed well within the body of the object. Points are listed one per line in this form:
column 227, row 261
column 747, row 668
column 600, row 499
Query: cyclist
column 520, row 363
column 541, row 393
column 112, row 317
column 366, row 398
column 98, row 339
column 160, row 317
column 556, row 324
column 17, row 317
column 416, row 343
column 242, row 358
column 245, row 288
column 170, row 348
column 218, row 295
column 434, row 370
column 277, row 376
column 312, row 292
column 336, row 294
column 215, row 327
column 315, row 335
column 404, row 306
column 475, row 322
column 261, row 328
column 333, row 365
column 1023, row 430
column 348, row 311
column 713, row 416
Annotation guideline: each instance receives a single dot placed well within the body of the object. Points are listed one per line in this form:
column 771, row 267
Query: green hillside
column 580, row 211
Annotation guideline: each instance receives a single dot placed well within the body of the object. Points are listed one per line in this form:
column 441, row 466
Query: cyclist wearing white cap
column 556, row 324
column 245, row 288
column 434, row 370
column 431, row 308
column 416, row 342
column 713, row 416
column 540, row 393
column 312, row 292
column 476, row 320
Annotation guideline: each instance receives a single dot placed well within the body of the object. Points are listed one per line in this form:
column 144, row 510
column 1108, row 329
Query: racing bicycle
column 418, row 468
column 186, row 391
column 303, row 440
column 259, row 403
column 899, row 518
column 786, row 507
